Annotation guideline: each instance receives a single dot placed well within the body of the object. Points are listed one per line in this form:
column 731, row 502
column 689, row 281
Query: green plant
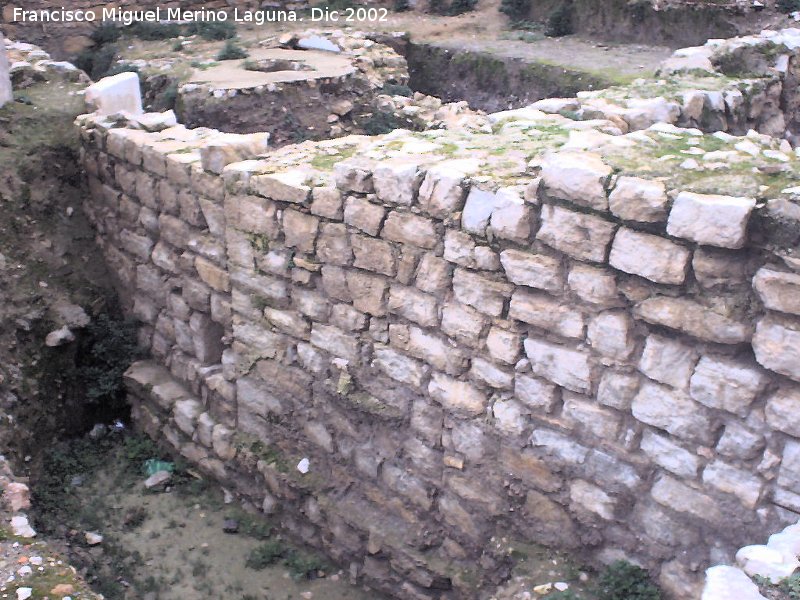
column 231, row 51
column 401, row 5
column 788, row 6
column 516, row 10
column 145, row 30
column 96, row 61
column 559, row 23
column 396, row 89
column 302, row 565
column 384, row 122
column 106, row 33
column 107, row 352
column 266, row 554
column 791, row 586
column 177, row 46
column 213, row 30
column 437, row 7
column 459, row 7
column 624, row 581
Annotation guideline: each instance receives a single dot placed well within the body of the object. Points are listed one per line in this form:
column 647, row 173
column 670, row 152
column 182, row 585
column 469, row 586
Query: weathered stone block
column 252, row 214
column 433, row 274
column 413, row 305
column 397, row 182
column 457, row 396
column 333, row 245
column 185, row 413
column 669, row 455
column 611, row 334
column 585, row 237
column 547, row 313
column 335, row 341
column 300, row 230
column 589, row 497
column 649, row 256
column 290, row 186
column 348, row 318
column 429, row 347
column 580, row 177
column 727, row 384
column 678, row 496
column 533, row 270
column 510, row 416
column 368, row 292
column 503, row 345
column 288, row 321
column 442, row 192
column 711, row 220
column 617, row 389
column 530, row 469
column 374, row 255
column 477, row 211
column 593, row 284
column 730, row 480
column 635, row 199
column 512, row 219
column 560, row 447
column 535, row 393
column 564, row 366
column 674, row 412
column 581, row 413
column 715, row 267
column 353, row 176
column 693, row 318
column 776, row 344
column 327, row 202
column 490, row 374
column 484, row 294
column 216, row 278
column 668, row 361
column 363, row 214
column 739, row 442
column 463, row 323
column 400, row 367
column 783, row 410
column 778, row 290
column 410, row 229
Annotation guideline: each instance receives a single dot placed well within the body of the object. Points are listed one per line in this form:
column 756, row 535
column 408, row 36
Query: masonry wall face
column 585, row 362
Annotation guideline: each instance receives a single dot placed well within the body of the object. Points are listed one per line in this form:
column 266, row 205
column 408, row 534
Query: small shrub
column 231, row 51
column 265, row 555
column 303, row 566
column 788, row 6
column 516, row 10
column 150, row 32
column 792, row 587
column 559, row 23
column 96, row 62
column 437, row 7
column 107, row 33
column 110, row 349
column 459, row 7
column 401, row 6
column 623, row 581
column 395, row 89
column 213, row 30
column 177, row 45
column 384, row 122
column 121, row 68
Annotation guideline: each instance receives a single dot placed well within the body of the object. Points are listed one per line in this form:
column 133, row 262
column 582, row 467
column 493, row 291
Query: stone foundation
column 527, row 328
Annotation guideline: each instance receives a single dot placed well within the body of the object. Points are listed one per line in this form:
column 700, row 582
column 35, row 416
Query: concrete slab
column 114, row 94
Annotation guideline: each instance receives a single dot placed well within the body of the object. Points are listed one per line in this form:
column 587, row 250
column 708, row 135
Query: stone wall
column 422, row 349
